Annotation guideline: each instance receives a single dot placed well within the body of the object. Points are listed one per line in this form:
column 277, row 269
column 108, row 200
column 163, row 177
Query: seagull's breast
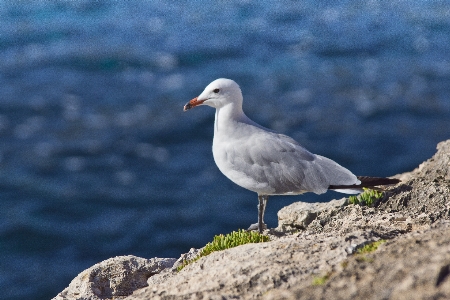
column 229, row 151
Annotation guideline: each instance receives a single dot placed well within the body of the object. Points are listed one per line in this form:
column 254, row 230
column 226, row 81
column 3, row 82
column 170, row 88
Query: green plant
column 370, row 247
column 368, row 197
column 222, row 242
column 320, row 280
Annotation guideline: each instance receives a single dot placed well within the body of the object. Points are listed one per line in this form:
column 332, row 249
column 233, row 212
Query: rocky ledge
column 313, row 253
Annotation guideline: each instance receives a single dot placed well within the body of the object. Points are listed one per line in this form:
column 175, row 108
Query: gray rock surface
column 300, row 214
column 414, row 266
column 114, row 278
column 313, row 253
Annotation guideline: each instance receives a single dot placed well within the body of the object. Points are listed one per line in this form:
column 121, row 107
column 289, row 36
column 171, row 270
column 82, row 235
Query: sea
column 98, row 159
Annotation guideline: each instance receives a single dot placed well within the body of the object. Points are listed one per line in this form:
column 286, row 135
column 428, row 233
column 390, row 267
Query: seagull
column 266, row 162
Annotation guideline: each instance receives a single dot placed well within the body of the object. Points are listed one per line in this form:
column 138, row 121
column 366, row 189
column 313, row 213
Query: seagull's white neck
column 231, row 112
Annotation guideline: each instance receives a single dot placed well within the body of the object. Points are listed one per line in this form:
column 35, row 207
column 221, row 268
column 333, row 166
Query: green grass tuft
column 368, row 197
column 370, row 247
column 320, row 280
column 222, row 242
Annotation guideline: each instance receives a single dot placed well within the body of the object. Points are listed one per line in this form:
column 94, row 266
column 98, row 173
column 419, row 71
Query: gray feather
column 284, row 165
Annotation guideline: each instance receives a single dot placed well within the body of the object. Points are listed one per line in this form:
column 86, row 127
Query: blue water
column 97, row 158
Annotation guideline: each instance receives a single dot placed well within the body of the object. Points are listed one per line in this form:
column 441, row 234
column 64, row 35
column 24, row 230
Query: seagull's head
column 217, row 94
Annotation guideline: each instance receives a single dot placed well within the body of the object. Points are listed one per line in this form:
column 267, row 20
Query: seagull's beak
column 193, row 103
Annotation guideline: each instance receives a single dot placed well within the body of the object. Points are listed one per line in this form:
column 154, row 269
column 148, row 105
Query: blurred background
column 97, row 158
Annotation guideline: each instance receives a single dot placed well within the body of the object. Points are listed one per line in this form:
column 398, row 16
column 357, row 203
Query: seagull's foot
column 255, row 227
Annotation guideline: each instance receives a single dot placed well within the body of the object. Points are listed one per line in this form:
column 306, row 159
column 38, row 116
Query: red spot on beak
column 193, row 103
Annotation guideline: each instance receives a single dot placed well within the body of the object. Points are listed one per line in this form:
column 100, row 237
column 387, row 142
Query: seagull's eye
column 216, row 91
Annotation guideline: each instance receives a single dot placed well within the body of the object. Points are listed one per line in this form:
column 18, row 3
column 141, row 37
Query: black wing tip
column 377, row 180
column 367, row 181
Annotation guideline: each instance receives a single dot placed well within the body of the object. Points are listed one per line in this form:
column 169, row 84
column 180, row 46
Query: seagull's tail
column 366, row 182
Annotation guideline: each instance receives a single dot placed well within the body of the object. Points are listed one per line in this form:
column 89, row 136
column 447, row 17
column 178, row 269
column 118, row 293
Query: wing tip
column 366, row 181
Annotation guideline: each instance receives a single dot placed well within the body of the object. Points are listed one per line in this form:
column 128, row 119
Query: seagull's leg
column 260, row 226
column 261, row 209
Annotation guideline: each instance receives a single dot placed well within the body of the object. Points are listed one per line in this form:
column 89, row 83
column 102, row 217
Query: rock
column 115, row 277
column 414, row 266
column 314, row 252
column 288, row 267
column 251, row 270
column 193, row 253
column 299, row 215
column 427, row 190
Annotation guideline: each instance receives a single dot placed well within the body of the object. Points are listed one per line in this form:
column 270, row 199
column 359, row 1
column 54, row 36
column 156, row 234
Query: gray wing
column 285, row 166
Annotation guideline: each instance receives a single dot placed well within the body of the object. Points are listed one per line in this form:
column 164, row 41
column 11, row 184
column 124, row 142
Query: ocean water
column 97, row 158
